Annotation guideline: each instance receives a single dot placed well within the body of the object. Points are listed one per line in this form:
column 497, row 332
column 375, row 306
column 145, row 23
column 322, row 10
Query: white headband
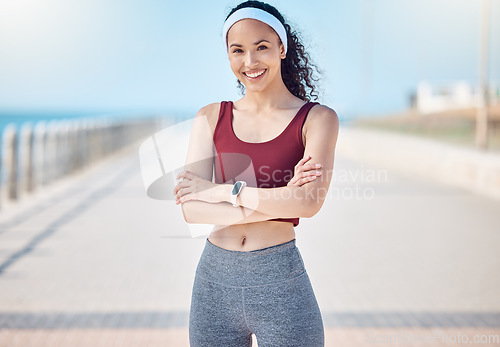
column 255, row 13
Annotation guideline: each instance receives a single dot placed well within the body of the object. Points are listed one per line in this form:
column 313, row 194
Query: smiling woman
column 251, row 278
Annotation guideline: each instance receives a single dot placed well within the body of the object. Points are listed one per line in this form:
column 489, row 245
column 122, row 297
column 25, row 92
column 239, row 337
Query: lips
column 255, row 74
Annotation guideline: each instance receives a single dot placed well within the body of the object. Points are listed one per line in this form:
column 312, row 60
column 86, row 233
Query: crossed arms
column 212, row 206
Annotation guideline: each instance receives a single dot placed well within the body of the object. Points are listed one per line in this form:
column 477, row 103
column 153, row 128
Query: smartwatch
column 237, row 188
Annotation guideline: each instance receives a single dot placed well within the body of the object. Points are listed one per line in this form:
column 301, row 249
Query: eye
column 237, row 50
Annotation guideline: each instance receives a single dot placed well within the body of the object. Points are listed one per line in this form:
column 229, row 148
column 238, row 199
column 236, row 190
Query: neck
column 276, row 96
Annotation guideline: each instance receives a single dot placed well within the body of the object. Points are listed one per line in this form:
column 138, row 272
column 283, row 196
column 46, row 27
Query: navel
column 243, row 240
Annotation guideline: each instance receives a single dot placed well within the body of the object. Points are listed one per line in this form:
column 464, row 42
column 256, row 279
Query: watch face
column 236, row 188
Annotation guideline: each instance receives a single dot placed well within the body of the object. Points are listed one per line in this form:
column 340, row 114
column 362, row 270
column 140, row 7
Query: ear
column 282, row 51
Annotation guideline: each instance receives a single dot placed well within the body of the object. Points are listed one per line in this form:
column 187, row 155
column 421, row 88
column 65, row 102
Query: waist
column 258, row 267
column 251, row 236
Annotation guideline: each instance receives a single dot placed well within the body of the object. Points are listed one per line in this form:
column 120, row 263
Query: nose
column 251, row 60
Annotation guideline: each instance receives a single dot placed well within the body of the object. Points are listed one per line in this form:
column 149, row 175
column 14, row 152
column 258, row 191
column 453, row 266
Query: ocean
column 18, row 118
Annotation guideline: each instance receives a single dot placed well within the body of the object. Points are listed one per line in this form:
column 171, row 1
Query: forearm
column 222, row 213
column 286, row 202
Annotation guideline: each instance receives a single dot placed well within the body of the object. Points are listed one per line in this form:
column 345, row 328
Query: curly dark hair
column 296, row 68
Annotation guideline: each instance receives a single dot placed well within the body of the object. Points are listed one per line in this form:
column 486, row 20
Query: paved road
column 99, row 263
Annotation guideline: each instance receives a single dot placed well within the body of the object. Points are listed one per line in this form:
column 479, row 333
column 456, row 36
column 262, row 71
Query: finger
column 313, row 172
column 184, row 199
column 310, row 168
column 185, row 191
column 178, row 201
column 304, row 180
column 181, row 184
column 190, row 175
column 303, row 161
column 306, row 174
column 304, row 177
column 300, row 169
column 185, row 174
column 177, row 187
column 180, row 193
column 308, row 179
column 297, row 178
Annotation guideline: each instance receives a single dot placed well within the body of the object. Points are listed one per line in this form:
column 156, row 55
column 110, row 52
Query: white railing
column 34, row 155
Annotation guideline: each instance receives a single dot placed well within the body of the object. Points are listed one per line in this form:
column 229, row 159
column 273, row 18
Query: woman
column 251, row 277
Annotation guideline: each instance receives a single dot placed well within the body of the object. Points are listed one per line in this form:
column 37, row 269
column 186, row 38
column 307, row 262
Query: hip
column 269, row 265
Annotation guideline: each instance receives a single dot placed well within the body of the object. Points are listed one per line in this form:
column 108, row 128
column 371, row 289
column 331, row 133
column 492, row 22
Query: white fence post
column 38, row 154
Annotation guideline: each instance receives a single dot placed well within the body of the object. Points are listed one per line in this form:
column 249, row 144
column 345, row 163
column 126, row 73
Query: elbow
column 314, row 197
column 311, row 210
column 314, row 204
column 193, row 212
column 186, row 211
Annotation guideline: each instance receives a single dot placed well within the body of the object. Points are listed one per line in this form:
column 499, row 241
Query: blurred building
column 457, row 95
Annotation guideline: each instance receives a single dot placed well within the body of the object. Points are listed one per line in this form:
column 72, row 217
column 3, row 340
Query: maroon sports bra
column 268, row 164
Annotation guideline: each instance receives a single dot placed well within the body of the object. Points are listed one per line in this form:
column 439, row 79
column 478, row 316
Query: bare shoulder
column 322, row 112
column 211, row 112
column 322, row 117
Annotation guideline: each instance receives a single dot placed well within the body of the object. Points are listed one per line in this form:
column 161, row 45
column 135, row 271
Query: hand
column 305, row 173
column 193, row 187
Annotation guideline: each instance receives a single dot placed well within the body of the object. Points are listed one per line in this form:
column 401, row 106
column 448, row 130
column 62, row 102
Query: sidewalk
column 99, row 264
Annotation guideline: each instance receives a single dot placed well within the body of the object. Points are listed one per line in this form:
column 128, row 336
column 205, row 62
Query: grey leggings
column 266, row 292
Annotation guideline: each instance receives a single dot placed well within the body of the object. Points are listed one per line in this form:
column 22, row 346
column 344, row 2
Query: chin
column 256, row 89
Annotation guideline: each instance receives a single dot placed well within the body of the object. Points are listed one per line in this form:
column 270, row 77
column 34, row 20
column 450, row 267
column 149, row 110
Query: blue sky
column 154, row 56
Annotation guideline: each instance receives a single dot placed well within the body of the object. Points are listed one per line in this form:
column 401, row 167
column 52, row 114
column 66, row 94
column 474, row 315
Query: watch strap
column 234, row 196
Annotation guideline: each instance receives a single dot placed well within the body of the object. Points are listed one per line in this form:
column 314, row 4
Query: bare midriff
column 251, row 236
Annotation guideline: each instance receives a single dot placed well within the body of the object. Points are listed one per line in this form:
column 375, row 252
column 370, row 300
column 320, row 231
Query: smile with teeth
column 254, row 75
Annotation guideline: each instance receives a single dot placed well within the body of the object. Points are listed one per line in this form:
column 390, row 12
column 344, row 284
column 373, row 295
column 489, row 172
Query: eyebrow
column 256, row 43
